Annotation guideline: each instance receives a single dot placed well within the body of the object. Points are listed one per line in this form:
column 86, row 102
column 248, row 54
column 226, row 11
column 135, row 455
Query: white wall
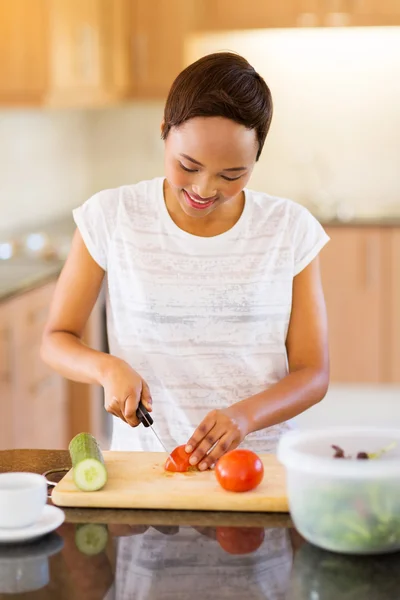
column 44, row 165
column 125, row 144
column 335, row 134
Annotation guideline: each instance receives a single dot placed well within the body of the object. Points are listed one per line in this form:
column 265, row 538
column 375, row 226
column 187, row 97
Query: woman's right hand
column 124, row 389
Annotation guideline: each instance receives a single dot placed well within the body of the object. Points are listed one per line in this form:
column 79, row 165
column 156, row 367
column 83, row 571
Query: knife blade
column 145, row 418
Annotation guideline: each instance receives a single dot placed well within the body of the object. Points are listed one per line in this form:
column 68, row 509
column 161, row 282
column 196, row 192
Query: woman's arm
column 305, row 385
column 75, row 296
column 63, row 349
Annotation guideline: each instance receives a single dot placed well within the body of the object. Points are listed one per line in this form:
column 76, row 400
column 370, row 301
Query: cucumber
column 91, row 538
column 89, row 469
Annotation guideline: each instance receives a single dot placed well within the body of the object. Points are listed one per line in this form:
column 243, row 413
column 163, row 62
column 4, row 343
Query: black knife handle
column 143, row 416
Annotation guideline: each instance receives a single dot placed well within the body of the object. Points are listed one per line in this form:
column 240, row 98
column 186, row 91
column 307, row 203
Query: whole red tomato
column 178, row 461
column 240, row 540
column 239, row 470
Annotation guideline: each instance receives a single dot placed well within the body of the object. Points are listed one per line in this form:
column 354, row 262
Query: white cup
column 23, row 497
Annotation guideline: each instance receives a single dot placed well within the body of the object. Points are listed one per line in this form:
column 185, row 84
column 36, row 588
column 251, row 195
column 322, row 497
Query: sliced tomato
column 178, row 461
column 239, row 470
column 240, row 540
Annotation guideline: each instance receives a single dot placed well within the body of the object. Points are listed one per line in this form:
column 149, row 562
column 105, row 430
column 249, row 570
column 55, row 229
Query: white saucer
column 51, row 518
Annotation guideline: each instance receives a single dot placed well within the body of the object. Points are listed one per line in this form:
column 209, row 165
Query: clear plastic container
column 344, row 505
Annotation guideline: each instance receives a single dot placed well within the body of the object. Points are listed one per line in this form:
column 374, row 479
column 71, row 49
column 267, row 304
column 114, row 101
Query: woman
column 215, row 310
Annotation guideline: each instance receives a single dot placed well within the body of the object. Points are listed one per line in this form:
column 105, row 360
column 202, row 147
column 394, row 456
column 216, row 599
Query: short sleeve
column 309, row 239
column 95, row 220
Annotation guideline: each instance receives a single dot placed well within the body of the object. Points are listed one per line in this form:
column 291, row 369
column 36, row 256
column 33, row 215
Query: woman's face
column 208, row 162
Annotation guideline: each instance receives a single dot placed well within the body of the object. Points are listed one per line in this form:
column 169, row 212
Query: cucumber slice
column 89, row 470
column 91, row 538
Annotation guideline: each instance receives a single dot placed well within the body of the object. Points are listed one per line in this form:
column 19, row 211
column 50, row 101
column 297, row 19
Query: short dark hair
column 223, row 84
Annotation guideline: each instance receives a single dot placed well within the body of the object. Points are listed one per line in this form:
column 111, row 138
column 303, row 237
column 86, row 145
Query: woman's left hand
column 223, row 429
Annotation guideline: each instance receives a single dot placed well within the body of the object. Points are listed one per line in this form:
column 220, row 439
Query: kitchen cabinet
column 375, row 12
column 38, row 407
column 63, row 52
column 88, row 44
column 6, row 376
column 356, row 295
column 23, row 41
column 40, row 414
column 222, row 15
column 159, row 30
column 393, row 313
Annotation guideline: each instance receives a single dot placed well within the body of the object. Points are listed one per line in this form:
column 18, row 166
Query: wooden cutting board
column 138, row 480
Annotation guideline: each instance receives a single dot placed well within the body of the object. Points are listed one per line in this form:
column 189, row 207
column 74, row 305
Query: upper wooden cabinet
column 260, row 14
column 252, row 14
column 64, row 52
column 375, row 12
column 158, row 32
column 89, row 45
column 23, row 51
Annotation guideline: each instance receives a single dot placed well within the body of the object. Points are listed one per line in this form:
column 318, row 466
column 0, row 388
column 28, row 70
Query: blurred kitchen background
column 82, row 89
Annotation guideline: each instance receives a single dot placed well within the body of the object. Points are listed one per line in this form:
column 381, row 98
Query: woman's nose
column 205, row 189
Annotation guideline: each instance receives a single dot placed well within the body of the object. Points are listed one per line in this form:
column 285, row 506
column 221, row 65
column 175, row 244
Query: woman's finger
column 129, row 412
column 205, row 447
column 224, row 445
column 146, row 396
column 201, row 432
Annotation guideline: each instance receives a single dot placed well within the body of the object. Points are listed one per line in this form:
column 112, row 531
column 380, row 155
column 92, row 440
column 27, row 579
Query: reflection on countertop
column 29, row 259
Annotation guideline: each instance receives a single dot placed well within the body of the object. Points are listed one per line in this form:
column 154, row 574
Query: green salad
column 353, row 516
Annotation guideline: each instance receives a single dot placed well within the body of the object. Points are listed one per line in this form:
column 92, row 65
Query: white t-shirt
column 202, row 319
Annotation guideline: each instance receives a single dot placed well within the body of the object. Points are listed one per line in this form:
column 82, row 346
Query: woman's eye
column 230, row 178
column 188, row 170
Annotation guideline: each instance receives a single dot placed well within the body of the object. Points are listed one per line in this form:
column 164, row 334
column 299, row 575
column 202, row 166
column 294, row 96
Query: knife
column 147, row 421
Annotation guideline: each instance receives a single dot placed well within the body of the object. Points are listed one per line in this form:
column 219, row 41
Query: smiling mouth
column 196, row 203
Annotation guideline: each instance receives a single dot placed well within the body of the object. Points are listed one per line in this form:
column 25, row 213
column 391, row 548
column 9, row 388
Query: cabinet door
column 375, row 12
column 78, row 40
column 236, row 14
column 351, row 267
column 118, row 55
column 41, row 417
column 6, row 377
column 393, row 315
column 22, row 51
column 159, row 29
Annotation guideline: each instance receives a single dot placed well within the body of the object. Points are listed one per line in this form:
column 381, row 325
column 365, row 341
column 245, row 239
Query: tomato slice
column 240, row 540
column 178, row 461
column 239, row 470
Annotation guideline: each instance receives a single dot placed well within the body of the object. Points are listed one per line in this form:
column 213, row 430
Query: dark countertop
column 156, row 555
column 21, row 274
column 30, row 269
